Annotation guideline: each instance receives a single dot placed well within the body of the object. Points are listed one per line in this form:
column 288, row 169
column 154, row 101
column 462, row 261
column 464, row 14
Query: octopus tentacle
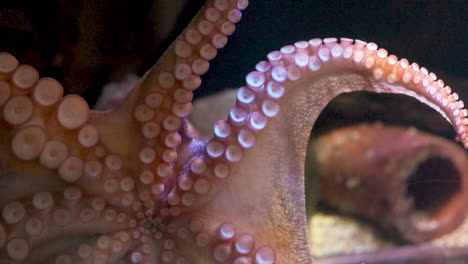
column 162, row 100
column 149, row 190
column 84, row 148
column 41, row 121
column 281, row 100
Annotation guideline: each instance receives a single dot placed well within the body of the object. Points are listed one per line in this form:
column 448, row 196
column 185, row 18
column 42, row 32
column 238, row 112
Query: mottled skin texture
column 249, row 177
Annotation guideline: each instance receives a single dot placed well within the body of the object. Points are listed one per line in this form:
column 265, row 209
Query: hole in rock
column 434, row 182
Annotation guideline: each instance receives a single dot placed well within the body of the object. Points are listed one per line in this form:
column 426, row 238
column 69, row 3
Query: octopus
column 138, row 185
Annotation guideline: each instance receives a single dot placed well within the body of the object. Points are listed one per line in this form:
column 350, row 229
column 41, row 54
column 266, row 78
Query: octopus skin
column 134, row 185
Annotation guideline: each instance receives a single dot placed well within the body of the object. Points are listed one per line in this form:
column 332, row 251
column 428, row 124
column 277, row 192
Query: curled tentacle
column 274, row 114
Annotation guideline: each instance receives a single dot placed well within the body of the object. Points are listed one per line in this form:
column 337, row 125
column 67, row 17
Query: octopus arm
column 265, row 137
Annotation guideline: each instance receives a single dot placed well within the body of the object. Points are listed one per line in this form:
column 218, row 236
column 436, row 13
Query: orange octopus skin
column 134, row 186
